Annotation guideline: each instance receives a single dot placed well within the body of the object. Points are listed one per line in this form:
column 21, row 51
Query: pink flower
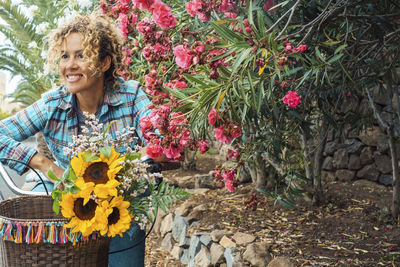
column 233, row 154
column 219, row 134
column 229, row 186
column 292, row 99
column 235, row 131
column 123, row 22
column 204, row 147
column 143, row 26
column 193, row 7
column 143, row 4
column 145, row 124
column 230, row 15
column 302, row 48
column 226, row 6
column 229, row 175
column 268, row 4
column 163, row 16
column 183, row 58
column 154, row 151
column 176, row 84
column 199, row 49
column 173, row 152
column 212, row 116
column 288, row 47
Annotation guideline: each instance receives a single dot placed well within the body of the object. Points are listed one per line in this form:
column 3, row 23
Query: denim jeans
column 133, row 257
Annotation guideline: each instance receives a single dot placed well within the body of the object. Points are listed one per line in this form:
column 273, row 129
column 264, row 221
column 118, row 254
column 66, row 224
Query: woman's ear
column 105, row 65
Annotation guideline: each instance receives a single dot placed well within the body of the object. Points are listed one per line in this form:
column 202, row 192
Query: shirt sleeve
column 15, row 129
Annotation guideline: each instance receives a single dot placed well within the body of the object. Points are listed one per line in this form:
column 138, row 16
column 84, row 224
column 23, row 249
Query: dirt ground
column 352, row 228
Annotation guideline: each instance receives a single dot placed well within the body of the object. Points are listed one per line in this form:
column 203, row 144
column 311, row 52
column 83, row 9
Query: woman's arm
column 43, row 164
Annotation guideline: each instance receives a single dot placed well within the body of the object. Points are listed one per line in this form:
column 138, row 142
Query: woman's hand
column 43, row 164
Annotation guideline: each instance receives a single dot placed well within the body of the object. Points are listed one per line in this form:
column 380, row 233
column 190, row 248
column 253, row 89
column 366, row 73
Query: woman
column 87, row 54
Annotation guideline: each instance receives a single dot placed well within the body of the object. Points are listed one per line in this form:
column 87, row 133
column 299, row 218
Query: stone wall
column 196, row 246
column 353, row 155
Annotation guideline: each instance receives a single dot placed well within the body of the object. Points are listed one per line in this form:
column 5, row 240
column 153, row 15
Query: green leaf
column 238, row 62
column 340, row 48
column 51, row 175
column 335, row 58
column 74, row 189
column 56, row 206
column 106, row 151
column 89, row 156
column 108, row 127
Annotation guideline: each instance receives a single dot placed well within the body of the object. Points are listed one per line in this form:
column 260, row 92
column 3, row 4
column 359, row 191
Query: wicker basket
column 32, row 210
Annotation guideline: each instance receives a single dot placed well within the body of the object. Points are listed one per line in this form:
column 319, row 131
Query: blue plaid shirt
column 55, row 116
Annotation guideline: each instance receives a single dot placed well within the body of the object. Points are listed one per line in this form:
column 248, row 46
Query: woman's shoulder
column 56, row 93
column 129, row 87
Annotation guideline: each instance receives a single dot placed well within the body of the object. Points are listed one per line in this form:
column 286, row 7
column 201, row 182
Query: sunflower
column 100, row 171
column 118, row 217
column 84, row 218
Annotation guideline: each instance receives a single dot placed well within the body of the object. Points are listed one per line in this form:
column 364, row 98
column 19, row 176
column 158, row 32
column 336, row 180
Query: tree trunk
column 306, row 155
column 317, row 185
column 261, row 171
column 189, row 162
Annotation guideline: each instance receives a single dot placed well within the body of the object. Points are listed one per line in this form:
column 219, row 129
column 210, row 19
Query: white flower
column 16, row 2
column 42, row 28
column 32, row 9
column 32, row 44
column 85, row 3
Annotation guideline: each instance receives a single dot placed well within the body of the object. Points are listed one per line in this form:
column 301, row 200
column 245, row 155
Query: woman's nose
column 72, row 62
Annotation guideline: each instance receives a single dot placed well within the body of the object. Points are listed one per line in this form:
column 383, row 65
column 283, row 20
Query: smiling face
column 74, row 68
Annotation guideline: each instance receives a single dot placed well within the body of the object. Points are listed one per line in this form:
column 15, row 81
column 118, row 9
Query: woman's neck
column 89, row 102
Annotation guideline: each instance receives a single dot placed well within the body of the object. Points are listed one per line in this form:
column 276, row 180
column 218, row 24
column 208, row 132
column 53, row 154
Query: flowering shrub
column 189, row 71
column 104, row 190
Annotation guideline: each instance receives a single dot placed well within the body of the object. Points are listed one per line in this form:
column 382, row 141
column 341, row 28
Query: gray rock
column 365, row 107
column 353, row 145
column 340, row 159
column 176, row 252
column 328, row 176
column 369, row 136
column 281, row 262
column 157, row 225
column 184, row 208
column 205, row 239
column 379, row 95
column 244, row 176
column 186, row 182
column 243, row 238
column 194, row 215
column 368, row 172
column 349, row 104
column 330, row 147
column 185, row 256
column 354, row 162
column 230, row 257
column 382, row 144
column 203, row 258
column 216, row 235
column 227, row 242
column 205, row 181
column 201, row 207
column 179, row 229
column 366, row 156
column 383, row 163
column 166, row 225
column 327, row 164
column 386, row 179
column 167, row 243
column 217, row 253
column 345, row 175
column 194, row 247
column 257, row 254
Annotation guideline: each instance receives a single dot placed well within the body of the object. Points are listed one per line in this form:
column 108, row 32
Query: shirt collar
column 111, row 98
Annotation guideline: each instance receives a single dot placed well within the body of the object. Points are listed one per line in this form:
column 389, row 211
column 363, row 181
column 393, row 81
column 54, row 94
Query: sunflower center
column 84, row 212
column 113, row 218
column 96, row 173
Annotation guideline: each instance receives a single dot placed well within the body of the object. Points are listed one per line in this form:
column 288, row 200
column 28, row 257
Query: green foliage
column 166, row 195
column 23, row 54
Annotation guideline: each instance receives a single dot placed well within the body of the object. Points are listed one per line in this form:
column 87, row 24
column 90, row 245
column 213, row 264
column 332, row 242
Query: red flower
column 143, row 4
column 233, row 154
column 163, row 16
column 154, row 151
column 292, row 99
column 235, row 131
column 193, row 7
column 212, row 116
column 219, row 134
column 268, row 4
column 204, row 147
column 183, row 58
column 145, row 124
column 229, row 186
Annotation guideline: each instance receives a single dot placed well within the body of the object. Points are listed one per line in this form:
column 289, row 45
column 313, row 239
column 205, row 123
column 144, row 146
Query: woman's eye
column 80, row 56
column 64, row 56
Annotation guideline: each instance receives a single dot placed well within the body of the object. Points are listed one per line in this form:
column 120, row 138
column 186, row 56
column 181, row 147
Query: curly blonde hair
column 100, row 39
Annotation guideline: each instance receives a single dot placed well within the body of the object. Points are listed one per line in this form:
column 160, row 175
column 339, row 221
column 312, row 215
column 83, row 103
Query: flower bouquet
column 105, row 191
